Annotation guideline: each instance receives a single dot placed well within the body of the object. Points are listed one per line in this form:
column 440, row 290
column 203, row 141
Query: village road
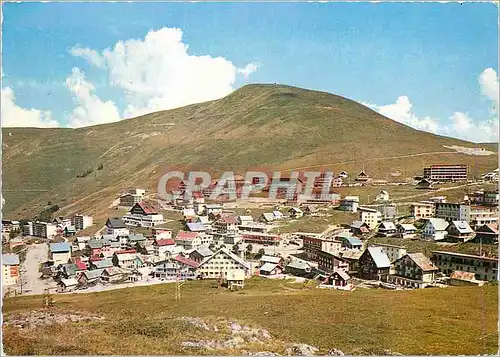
column 30, row 276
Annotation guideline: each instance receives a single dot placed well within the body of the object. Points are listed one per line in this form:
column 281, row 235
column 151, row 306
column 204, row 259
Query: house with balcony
column 406, row 230
column 453, row 211
column 374, row 264
column 413, row 270
column 143, row 215
column 329, row 262
column 44, row 229
column 127, row 259
column 486, row 234
column 387, row 229
column 480, row 215
column 222, row 262
column 81, row 221
column 188, row 240
column 171, row 270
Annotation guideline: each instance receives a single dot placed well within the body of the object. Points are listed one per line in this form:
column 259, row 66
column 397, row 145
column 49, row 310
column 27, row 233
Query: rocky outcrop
column 236, row 336
column 301, row 349
column 37, row 318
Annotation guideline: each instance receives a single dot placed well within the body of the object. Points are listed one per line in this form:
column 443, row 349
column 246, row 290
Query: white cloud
column 15, row 116
column 401, row 111
column 158, row 73
column 488, row 82
column 90, row 109
column 90, row 55
column 464, row 127
column 249, row 69
column 459, row 125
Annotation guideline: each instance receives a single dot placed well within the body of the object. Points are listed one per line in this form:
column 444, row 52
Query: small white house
column 60, row 253
column 382, row 196
column 162, row 233
column 387, row 229
column 278, row 215
column 245, row 219
column 406, row 230
column 435, row 229
column 295, row 212
column 343, row 174
column 163, row 247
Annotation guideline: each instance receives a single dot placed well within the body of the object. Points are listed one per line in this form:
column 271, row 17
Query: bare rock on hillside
column 335, row 352
column 302, row 349
column 37, row 318
column 195, row 321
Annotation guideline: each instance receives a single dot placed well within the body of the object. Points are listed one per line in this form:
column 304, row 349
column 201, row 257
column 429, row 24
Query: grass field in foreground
column 451, row 321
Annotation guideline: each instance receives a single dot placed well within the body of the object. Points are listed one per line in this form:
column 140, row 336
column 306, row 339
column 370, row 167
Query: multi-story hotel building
column 421, row 210
column 453, row 211
column 446, row 173
column 484, row 268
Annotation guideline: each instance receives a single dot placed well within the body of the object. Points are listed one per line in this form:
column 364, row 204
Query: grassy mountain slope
column 452, row 321
column 257, row 126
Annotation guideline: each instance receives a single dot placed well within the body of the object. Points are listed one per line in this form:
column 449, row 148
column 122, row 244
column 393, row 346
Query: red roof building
column 186, row 261
column 182, row 235
column 164, row 242
column 128, row 251
column 228, row 220
column 143, row 208
column 80, row 265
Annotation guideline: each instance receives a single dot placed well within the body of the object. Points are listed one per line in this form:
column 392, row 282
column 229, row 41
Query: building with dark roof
column 115, row 226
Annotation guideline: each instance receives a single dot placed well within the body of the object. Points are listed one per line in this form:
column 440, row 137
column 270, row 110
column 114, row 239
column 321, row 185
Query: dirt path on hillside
column 374, row 159
column 438, row 190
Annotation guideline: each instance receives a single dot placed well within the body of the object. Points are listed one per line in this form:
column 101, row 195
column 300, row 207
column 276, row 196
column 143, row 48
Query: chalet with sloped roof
column 374, row 264
column 413, row 270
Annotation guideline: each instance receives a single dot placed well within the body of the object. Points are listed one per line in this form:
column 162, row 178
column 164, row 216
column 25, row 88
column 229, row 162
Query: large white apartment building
column 453, row 212
column 44, row 230
column 370, row 216
column 81, row 221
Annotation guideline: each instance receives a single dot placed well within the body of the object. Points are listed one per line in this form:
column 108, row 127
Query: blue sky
column 430, row 56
